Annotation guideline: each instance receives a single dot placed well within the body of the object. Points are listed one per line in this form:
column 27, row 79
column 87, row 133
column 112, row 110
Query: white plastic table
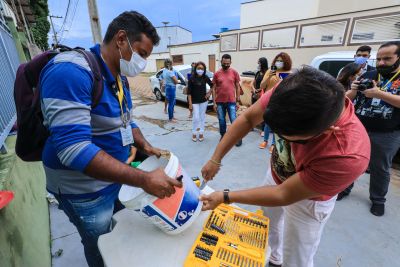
column 134, row 241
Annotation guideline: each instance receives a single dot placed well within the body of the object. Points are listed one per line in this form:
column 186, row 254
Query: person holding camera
column 377, row 104
column 280, row 67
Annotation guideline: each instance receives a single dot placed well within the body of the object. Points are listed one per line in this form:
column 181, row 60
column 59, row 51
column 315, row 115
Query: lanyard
column 121, row 100
column 391, row 79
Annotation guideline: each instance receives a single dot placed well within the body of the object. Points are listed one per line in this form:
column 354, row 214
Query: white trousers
column 199, row 117
column 295, row 230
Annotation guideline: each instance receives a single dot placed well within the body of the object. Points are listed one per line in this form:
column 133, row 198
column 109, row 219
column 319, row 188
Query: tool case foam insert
column 231, row 237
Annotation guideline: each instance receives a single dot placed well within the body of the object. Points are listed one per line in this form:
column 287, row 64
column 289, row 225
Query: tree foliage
column 41, row 28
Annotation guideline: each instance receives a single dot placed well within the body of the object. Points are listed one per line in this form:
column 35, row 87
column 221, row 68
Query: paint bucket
column 173, row 214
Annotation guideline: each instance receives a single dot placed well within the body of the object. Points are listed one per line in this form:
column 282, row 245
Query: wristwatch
column 226, row 196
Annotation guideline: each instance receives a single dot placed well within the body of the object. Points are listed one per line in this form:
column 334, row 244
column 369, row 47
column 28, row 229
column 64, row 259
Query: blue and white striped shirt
column 77, row 132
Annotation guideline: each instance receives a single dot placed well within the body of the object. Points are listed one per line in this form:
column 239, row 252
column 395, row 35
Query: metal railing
column 9, row 62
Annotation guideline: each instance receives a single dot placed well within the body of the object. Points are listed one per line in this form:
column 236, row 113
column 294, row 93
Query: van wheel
column 158, row 95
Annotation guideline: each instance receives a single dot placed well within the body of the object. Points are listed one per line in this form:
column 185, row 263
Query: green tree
column 41, row 28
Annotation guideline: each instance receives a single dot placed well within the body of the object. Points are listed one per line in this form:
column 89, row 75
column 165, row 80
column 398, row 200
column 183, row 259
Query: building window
column 177, row 60
column 376, row 29
column 323, row 34
column 279, row 38
column 229, row 43
column 249, row 40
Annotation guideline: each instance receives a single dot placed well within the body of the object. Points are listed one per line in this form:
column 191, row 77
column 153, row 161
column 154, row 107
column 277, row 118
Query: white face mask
column 133, row 67
column 279, row 65
column 200, row 72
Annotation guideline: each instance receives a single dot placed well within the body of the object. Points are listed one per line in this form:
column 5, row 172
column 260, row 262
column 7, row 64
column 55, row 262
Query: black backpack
column 32, row 134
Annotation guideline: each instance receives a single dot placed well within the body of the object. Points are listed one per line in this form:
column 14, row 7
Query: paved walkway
column 353, row 237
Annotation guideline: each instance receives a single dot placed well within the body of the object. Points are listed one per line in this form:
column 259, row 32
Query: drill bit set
column 231, row 237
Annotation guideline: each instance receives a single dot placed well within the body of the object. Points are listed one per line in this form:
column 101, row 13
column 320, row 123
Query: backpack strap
column 94, row 65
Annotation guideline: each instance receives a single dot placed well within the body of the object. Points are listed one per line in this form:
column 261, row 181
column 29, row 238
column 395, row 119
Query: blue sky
column 203, row 18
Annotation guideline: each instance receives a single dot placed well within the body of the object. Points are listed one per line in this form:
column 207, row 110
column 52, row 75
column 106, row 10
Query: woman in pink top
column 321, row 149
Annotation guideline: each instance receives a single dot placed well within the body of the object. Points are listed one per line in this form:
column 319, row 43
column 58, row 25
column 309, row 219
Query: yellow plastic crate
column 231, row 237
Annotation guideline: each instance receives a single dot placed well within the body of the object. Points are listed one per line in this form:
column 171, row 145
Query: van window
column 333, row 66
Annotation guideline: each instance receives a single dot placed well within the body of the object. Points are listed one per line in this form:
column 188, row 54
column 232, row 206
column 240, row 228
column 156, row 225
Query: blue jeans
column 170, row 94
column 222, row 108
column 267, row 131
column 92, row 218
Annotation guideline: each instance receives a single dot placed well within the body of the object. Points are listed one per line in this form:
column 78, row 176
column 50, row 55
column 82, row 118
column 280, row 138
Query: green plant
column 41, row 28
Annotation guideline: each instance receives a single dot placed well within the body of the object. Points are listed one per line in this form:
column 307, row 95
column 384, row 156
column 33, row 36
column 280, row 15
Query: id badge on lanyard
column 126, row 135
column 125, row 129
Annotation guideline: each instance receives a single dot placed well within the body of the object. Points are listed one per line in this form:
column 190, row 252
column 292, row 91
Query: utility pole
column 54, row 31
column 94, row 21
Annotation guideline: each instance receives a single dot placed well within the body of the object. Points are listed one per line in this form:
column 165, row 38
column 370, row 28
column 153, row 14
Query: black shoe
column 270, row 264
column 239, row 143
column 377, row 209
column 342, row 195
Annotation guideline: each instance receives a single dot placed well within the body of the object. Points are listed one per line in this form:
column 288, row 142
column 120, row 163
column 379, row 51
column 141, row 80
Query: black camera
column 365, row 84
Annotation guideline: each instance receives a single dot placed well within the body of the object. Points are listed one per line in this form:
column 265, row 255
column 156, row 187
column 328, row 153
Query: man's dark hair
column 134, row 24
column 364, row 48
column 306, row 102
column 395, row 43
column 226, row 56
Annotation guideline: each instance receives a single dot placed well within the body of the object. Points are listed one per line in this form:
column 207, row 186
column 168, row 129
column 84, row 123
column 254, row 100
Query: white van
column 333, row 62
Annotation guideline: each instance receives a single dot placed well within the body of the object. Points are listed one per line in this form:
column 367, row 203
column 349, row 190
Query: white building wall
column 195, row 52
column 329, row 7
column 152, row 59
column 247, row 60
column 276, row 11
column 171, row 35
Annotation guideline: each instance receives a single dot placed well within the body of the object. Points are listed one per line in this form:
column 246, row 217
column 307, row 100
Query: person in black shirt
column 378, row 108
column 261, row 70
column 188, row 78
column 198, row 99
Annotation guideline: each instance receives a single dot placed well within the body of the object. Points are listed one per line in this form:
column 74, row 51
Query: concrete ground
column 352, row 237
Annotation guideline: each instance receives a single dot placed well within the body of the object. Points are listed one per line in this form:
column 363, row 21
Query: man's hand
column 152, row 151
column 209, row 170
column 158, row 184
column 212, row 201
column 373, row 92
column 190, row 107
column 215, row 107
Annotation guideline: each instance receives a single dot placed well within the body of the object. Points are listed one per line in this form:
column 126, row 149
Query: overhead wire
column 70, row 21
